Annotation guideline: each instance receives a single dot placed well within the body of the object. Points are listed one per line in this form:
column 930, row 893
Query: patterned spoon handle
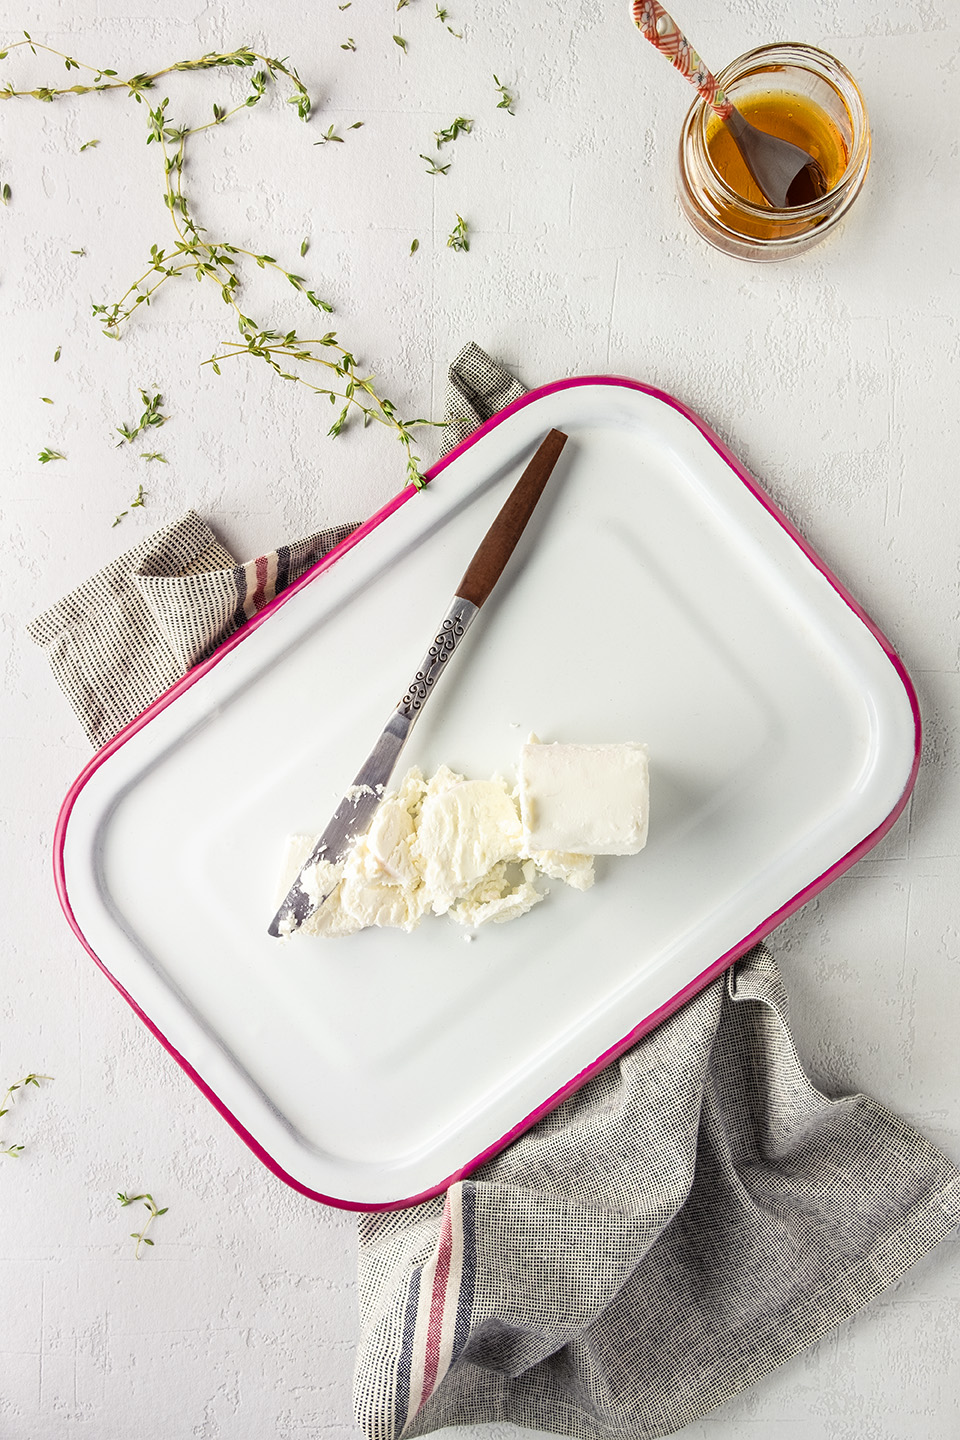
column 663, row 32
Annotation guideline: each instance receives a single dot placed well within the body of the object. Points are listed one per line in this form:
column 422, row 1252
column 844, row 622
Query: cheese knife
column 354, row 815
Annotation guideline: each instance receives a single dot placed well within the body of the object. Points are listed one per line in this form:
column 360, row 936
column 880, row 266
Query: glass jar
column 795, row 80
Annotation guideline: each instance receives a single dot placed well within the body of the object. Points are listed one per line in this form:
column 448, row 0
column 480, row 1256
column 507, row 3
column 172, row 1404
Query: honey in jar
column 801, row 95
column 789, row 116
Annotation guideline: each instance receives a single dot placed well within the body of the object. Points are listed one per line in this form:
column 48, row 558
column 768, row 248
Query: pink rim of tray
column 687, row 993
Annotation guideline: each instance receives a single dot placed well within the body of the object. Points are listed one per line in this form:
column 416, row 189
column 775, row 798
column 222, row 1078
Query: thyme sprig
column 460, row 126
column 46, row 456
column 458, row 239
column 148, row 1200
column 151, row 418
column 243, row 57
column 14, row 1151
column 138, row 501
column 506, row 101
column 433, row 165
column 218, row 261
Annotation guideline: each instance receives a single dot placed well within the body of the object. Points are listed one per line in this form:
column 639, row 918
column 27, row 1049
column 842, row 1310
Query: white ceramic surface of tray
column 656, row 596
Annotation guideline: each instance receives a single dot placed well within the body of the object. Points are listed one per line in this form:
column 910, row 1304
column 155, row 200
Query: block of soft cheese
column 588, row 799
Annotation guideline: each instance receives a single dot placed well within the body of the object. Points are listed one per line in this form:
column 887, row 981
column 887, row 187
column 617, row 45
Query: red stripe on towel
column 259, row 597
column 431, row 1359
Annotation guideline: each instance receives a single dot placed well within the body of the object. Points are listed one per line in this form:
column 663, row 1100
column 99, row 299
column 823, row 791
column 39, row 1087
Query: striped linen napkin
column 692, row 1217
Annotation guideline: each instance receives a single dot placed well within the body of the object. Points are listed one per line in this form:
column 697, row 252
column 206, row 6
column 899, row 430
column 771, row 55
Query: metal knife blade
column 355, row 812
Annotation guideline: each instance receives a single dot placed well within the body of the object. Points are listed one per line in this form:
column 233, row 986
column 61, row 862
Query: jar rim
column 740, row 67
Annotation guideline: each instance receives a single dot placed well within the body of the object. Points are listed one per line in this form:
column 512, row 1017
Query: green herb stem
column 151, row 1205
column 14, row 1151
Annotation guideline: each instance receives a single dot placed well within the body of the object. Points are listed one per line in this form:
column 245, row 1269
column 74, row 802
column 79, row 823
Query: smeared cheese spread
column 475, row 849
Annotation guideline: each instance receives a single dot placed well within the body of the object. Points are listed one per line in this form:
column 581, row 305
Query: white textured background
column 834, row 377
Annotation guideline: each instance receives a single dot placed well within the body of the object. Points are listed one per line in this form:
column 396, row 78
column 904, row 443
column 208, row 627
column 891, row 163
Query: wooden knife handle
column 498, row 544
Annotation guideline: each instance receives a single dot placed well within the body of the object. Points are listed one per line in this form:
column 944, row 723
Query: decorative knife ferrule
column 452, row 629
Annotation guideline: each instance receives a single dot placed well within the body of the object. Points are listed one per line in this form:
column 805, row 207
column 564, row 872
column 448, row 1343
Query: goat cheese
column 586, row 799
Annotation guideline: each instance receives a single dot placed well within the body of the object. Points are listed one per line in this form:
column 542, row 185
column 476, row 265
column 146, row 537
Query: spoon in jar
column 784, row 174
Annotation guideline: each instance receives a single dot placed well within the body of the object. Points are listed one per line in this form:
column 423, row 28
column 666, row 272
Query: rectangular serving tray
column 657, row 595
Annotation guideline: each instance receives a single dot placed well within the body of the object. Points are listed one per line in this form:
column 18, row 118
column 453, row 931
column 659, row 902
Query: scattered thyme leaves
column 433, row 165
column 349, row 43
column 460, row 126
column 442, row 14
column 399, row 40
column 137, row 503
column 46, row 456
column 414, row 247
column 304, row 247
column 506, row 101
column 56, row 354
column 458, row 239
column 331, row 135
column 155, row 455
column 151, row 1205
column 14, row 1151
column 78, row 252
column 5, row 193
column 90, row 145
column 219, row 261
column 46, row 399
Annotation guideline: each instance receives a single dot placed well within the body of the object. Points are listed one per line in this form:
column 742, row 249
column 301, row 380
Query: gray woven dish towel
column 691, row 1218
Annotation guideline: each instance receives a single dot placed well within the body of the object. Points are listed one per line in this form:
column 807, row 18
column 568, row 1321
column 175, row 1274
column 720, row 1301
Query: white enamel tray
column 658, row 596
